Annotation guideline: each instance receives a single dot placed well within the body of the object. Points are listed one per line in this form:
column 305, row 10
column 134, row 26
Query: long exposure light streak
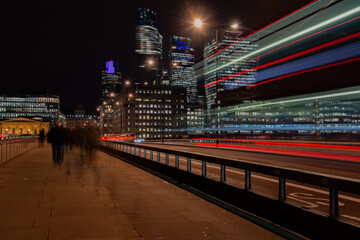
column 324, row 96
column 300, row 39
column 338, row 54
column 305, row 71
column 339, row 157
column 273, row 23
column 311, row 145
column 322, row 46
column 291, row 37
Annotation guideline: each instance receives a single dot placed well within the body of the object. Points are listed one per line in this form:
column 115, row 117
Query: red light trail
column 262, row 28
column 305, row 71
column 331, row 43
column 339, row 157
column 314, row 145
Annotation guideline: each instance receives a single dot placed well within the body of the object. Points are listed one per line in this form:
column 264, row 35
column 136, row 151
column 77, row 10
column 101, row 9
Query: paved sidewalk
column 107, row 200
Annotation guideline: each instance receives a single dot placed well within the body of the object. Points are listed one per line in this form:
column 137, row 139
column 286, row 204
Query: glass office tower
column 148, row 49
column 182, row 73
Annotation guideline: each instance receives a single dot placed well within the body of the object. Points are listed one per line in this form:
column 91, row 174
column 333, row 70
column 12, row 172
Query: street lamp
column 127, row 83
column 198, row 23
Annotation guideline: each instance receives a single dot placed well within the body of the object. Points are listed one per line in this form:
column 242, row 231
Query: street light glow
column 234, row 26
column 198, row 23
column 151, row 62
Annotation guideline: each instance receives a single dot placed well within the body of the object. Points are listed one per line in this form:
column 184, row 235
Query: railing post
column 127, row 148
column 166, row 158
column 189, row 164
column 334, row 203
column 222, row 173
column 158, row 157
column 139, row 151
column 151, row 155
column 176, row 161
column 203, row 169
column 145, row 154
column 247, row 180
column 282, row 189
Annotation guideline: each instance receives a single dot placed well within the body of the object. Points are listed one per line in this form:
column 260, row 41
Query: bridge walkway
column 105, row 199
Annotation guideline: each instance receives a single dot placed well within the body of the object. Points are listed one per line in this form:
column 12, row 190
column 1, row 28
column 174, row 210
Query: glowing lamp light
column 127, row 82
column 234, row 26
column 198, row 23
column 145, row 83
column 130, row 95
column 151, row 62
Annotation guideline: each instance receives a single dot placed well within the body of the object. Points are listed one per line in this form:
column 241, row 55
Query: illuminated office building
column 38, row 107
column 110, row 88
column 148, row 49
column 151, row 111
column 182, row 73
column 232, row 50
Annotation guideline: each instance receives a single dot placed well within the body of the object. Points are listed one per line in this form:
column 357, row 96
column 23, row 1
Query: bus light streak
column 311, row 35
column 291, row 37
column 325, row 45
column 305, row 71
column 263, row 28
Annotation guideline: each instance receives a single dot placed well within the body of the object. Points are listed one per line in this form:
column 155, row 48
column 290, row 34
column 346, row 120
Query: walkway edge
column 272, row 227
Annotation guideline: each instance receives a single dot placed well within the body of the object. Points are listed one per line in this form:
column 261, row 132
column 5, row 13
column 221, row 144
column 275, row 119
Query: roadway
column 302, row 195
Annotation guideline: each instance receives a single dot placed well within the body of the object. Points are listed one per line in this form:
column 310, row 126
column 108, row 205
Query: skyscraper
column 224, row 51
column 182, row 73
column 110, row 88
column 148, row 51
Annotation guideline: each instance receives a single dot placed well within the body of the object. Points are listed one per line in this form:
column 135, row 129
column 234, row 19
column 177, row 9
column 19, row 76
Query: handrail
column 332, row 182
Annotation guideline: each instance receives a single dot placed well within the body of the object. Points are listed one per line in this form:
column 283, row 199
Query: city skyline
column 54, row 54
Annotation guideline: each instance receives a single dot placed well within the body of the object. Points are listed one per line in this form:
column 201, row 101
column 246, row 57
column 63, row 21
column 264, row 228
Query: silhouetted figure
column 41, row 138
column 92, row 138
column 56, row 137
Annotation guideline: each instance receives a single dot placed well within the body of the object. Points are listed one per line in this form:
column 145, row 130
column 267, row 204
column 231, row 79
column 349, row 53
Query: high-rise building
column 182, row 73
column 220, row 52
column 148, row 49
column 110, row 88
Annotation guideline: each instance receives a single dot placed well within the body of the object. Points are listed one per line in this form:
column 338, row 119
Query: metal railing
column 13, row 146
column 334, row 184
column 197, row 171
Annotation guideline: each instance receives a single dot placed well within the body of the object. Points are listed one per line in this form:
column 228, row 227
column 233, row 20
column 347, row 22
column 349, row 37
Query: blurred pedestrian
column 56, row 136
column 41, row 138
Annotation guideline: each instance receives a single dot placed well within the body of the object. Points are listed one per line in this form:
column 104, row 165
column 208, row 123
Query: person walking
column 56, row 136
column 41, row 138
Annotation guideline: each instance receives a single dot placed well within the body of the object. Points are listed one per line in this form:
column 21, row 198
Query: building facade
column 182, row 73
column 23, row 126
column 110, row 87
column 81, row 119
column 151, row 112
column 220, row 68
column 148, row 49
column 40, row 107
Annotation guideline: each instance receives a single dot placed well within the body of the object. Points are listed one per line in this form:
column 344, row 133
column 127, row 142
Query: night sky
column 60, row 47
